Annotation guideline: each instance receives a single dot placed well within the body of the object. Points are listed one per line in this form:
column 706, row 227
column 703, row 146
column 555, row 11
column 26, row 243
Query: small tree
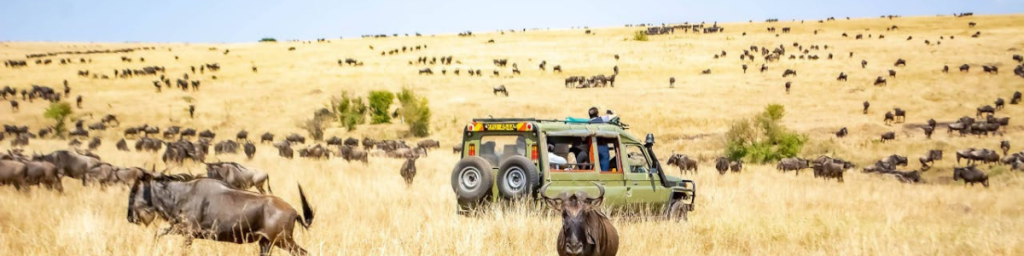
column 349, row 111
column 380, row 102
column 268, row 40
column 415, row 111
column 58, row 111
column 762, row 139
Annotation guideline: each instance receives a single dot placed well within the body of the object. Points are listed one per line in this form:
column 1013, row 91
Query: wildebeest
column 41, row 173
column 426, row 71
column 585, row 229
column 722, row 164
column 842, row 76
column 863, row 63
column 788, row 72
column 866, row 105
column 970, row 175
column 226, row 147
column 427, row 144
column 284, row 149
column 793, row 164
column 892, row 73
column 94, row 143
column 888, row 136
column 900, row 62
column 212, row 209
column 267, row 138
column 684, row 162
column 879, row 81
column 70, row 164
column 1016, row 98
column 1000, row 103
column 242, row 135
column 986, row 109
column 296, row 138
column 965, row 68
column 350, row 153
column 500, row 89
column 990, row 69
column 982, row 155
column 889, row 118
column 736, row 165
column 13, row 173
column 842, row 132
column 1005, row 146
column 122, row 145
column 926, row 160
column 238, row 176
column 900, row 114
column 250, row 150
column 408, row 170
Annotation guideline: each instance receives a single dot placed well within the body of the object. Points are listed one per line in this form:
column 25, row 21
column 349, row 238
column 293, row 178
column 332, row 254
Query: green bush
column 380, row 102
column 415, row 111
column 58, row 111
column 640, row 35
column 762, row 139
column 268, row 40
column 349, row 111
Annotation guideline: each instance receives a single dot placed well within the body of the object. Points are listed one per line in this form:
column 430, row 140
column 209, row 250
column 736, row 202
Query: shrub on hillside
column 268, row 40
column 349, row 111
column 415, row 111
column 640, row 35
column 762, row 139
column 380, row 102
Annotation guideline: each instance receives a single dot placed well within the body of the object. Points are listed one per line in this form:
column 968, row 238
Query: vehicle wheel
column 677, row 210
column 472, row 179
column 517, row 178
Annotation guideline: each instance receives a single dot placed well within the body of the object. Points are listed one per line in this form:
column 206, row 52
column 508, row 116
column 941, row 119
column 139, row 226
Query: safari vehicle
column 510, row 159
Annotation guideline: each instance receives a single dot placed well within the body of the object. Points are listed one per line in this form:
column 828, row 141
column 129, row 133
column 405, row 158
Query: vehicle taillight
column 472, row 149
column 533, row 153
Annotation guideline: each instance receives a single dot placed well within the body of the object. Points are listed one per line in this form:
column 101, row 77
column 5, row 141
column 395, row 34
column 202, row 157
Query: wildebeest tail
column 306, row 219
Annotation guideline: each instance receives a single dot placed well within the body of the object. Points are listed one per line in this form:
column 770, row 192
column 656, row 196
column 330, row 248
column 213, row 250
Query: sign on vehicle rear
column 501, row 127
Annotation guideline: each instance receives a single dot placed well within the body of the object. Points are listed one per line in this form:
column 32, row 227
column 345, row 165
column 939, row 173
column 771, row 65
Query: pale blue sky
column 249, row 20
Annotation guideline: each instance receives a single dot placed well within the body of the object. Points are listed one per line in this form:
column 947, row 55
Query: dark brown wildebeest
column 927, row 160
column 722, row 164
column 842, row 76
column 945, row 69
column 350, row 141
column 457, row 149
column 408, row 170
column 970, row 175
column 736, row 165
column 1000, row 103
column 108, row 119
column 684, row 162
column 42, row 173
column 705, row 72
column 14, row 106
column 889, row 118
column 427, row 144
column 842, row 133
column 238, row 176
column 672, row 80
column 368, row 143
column 990, row 69
column 226, row 147
column 928, row 130
column 70, row 164
column 892, row 73
column 501, row 89
column 1016, row 98
column 585, row 229
column 13, row 173
column 296, row 138
column 793, row 164
column 334, row 141
column 557, row 68
column 426, row 71
column 284, row 149
column 122, row 145
column 788, row 85
column 866, row 105
column 250, row 150
column 900, row 62
column 880, row 81
column 242, row 135
column 211, row 209
column 267, row 138
column 788, row 72
column 888, row 136
column 94, row 143
column 965, row 68
column 901, row 115
column 986, row 109
column 863, row 64
column 1005, row 146
column 744, row 69
column 350, row 153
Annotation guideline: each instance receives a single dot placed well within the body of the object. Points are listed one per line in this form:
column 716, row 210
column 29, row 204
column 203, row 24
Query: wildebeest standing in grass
column 13, row 173
column 793, row 164
column 585, row 229
column 267, row 138
column 1005, row 146
column 970, row 175
column 408, row 170
column 238, row 176
column 500, row 89
column 842, row 133
column 250, row 150
column 722, row 165
column 684, row 162
column 888, row 136
column 930, row 158
column 211, row 209
column 70, row 164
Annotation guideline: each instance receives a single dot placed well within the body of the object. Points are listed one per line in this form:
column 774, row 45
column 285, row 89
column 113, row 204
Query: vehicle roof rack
column 616, row 121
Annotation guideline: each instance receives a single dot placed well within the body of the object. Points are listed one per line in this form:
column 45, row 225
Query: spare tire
column 517, row 177
column 472, row 179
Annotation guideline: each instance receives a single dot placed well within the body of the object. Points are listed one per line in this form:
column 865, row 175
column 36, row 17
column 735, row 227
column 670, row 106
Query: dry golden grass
column 367, row 210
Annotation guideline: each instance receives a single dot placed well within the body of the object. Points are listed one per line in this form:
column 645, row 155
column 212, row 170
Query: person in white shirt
column 553, row 158
column 608, row 116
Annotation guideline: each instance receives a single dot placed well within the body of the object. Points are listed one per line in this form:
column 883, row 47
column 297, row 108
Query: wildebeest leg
column 265, row 247
column 288, row 243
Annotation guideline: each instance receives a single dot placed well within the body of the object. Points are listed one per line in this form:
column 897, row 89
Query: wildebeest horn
column 600, row 190
column 543, row 190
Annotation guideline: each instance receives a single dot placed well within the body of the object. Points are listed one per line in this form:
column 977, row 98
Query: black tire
column 517, row 178
column 472, row 179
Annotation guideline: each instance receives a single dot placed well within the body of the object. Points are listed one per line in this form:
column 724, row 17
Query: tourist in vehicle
column 553, row 158
column 609, row 115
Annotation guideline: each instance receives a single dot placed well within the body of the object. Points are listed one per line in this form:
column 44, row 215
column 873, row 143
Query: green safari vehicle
column 507, row 159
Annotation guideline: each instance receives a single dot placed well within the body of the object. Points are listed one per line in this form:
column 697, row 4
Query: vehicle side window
column 607, row 154
column 573, row 154
column 636, row 160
